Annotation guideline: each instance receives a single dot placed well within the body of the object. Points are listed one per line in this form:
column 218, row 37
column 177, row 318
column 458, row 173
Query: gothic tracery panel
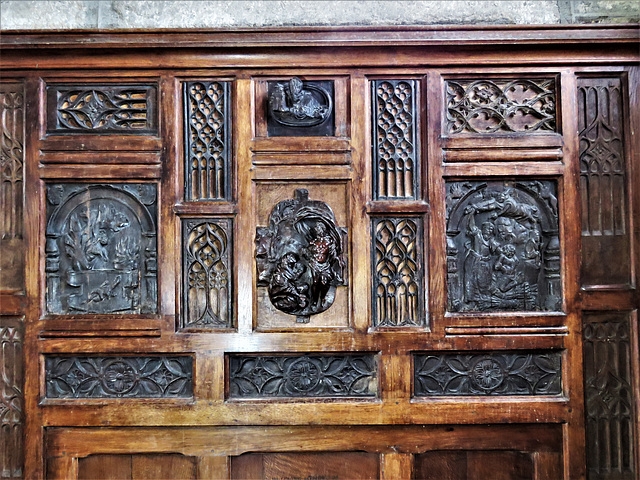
column 207, row 140
column 606, row 256
column 486, row 106
column 398, row 272
column 101, row 248
column 11, row 396
column 206, row 270
column 503, row 250
column 122, row 109
column 396, row 151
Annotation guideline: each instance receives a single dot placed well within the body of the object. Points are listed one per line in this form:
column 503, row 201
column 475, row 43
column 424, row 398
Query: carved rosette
column 101, row 248
column 300, row 256
column 503, row 250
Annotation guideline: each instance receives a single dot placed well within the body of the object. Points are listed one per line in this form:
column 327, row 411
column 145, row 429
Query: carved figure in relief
column 300, row 256
column 294, row 104
column 502, row 261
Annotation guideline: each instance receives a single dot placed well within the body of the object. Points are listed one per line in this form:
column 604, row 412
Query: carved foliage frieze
column 495, row 106
column 207, row 131
column 609, row 395
column 256, row 376
column 122, row 109
column 300, row 256
column 11, row 397
column 300, row 108
column 398, row 272
column 206, row 271
column 396, row 151
column 101, row 248
column 503, row 250
column 118, row 377
column 488, row 373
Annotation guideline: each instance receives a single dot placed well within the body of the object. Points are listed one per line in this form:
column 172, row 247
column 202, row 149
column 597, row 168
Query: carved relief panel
column 11, row 396
column 503, row 250
column 101, row 248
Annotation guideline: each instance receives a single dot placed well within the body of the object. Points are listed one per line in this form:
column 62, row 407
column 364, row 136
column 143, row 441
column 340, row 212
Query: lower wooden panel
column 474, row 465
column 138, row 467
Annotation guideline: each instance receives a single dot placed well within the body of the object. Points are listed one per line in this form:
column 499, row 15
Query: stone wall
column 111, row 14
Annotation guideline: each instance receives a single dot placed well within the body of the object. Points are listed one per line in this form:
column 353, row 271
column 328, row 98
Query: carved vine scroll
column 503, row 250
column 101, row 249
column 300, row 256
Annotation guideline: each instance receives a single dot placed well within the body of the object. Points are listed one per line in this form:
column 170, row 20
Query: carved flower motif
column 303, row 375
column 119, row 377
column 487, row 374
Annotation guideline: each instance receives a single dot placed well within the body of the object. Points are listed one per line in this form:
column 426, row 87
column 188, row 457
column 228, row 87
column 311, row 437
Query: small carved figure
column 296, row 105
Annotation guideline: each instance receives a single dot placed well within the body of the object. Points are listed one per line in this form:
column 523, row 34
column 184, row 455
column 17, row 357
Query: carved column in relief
column 503, row 251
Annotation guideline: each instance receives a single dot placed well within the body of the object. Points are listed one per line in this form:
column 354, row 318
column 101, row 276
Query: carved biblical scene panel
column 488, row 373
column 11, row 186
column 297, row 108
column 606, row 255
column 97, row 109
column 301, row 256
column 398, row 272
column 118, row 377
column 11, row 396
column 609, row 395
column 207, row 130
column 396, row 149
column 207, row 273
column 101, row 248
column 333, row 376
column 486, row 106
column 503, row 250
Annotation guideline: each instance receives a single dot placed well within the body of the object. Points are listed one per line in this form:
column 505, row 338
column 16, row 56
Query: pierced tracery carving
column 398, row 271
column 300, row 256
column 206, row 273
column 396, row 151
column 489, row 106
column 502, row 246
column 101, row 248
column 102, row 108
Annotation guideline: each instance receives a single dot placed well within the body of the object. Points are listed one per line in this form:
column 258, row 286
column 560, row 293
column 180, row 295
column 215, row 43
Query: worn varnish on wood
column 329, row 253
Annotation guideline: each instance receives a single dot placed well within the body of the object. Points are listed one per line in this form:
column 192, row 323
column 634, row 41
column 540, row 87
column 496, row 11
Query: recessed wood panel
column 11, row 397
column 474, row 465
column 137, row 467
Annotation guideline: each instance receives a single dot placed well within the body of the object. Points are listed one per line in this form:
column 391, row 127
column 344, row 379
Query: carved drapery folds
column 490, row 373
column 503, row 250
column 102, row 109
column 206, row 257
column 494, row 106
column 101, row 249
column 302, row 376
column 11, row 396
column 608, row 390
column 11, row 186
column 296, row 108
column 398, row 272
column 396, row 152
column 119, row 377
column 207, row 140
column 606, row 256
column 300, row 256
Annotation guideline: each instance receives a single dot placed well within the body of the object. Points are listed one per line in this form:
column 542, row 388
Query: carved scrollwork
column 101, row 248
column 489, row 106
column 300, row 256
column 503, row 250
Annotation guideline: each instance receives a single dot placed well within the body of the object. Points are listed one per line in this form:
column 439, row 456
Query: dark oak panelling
column 11, row 396
column 475, row 465
column 489, row 373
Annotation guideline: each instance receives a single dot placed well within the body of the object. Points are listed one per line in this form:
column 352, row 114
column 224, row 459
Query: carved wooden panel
column 306, row 466
column 396, row 149
column 488, row 373
column 398, row 272
column 101, row 251
column 503, row 250
column 207, row 129
column 11, row 186
column 606, row 255
column 267, row 376
column 299, row 108
column 486, row 106
column 11, row 396
column 118, row 377
column 207, row 273
column 90, row 108
column 609, row 395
